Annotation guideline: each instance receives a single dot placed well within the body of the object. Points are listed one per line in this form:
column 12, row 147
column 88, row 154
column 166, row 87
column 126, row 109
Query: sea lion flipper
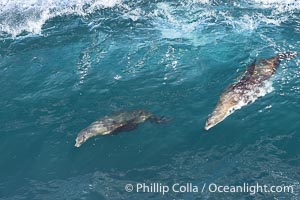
column 246, row 76
column 126, row 127
column 159, row 120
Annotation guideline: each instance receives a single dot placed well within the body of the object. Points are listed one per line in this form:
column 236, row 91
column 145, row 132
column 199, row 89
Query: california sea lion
column 122, row 121
column 247, row 89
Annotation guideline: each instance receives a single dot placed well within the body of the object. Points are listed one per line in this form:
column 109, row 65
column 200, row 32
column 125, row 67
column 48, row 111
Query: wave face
column 30, row 16
column 67, row 63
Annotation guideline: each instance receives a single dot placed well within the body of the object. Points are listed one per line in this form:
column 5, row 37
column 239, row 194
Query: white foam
column 17, row 16
column 246, row 23
column 279, row 5
column 117, row 77
column 134, row 14
column 191, row 20
column 253, row 95
column 179, row 21
column 184, row 21
column 200, row 1
column 251, row 21
column 278, row 2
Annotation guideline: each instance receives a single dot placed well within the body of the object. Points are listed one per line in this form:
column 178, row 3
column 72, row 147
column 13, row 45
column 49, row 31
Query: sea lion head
column 214, row 118
column 82, row 137
column 96, row 128
column 141, row 115
column 226, row 105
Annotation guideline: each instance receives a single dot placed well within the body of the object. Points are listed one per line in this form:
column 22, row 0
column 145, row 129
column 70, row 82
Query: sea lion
column 247, row 89
column 122, row 121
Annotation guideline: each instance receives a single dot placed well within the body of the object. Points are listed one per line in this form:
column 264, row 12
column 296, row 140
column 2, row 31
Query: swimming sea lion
column 247, row 89
column 122, row 121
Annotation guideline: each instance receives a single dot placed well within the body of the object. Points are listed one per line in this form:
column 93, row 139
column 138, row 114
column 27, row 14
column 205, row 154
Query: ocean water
column 64, row 64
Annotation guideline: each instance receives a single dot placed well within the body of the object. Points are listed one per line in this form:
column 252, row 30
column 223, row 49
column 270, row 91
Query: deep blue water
column 64, row 64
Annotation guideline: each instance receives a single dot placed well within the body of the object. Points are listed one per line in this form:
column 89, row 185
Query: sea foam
column 17, row 16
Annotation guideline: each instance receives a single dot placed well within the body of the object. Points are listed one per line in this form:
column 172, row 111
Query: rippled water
column 64, row 64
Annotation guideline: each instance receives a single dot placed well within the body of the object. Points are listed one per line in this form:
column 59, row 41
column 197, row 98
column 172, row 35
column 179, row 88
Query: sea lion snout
column 210, row 122
column 208, row 125
column 79, row 141
column 81, row 138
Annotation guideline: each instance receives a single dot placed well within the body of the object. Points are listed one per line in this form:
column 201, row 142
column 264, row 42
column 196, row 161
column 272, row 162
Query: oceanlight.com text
column 251, row 189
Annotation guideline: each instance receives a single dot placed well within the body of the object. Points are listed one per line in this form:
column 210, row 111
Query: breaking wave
column 175, row 20
column 29, row 16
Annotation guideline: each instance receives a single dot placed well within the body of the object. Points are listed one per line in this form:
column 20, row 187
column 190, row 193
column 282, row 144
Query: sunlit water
column 63, row 64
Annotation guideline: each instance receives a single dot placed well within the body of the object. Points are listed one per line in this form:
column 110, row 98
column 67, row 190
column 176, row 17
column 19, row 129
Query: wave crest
column 29, row 16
